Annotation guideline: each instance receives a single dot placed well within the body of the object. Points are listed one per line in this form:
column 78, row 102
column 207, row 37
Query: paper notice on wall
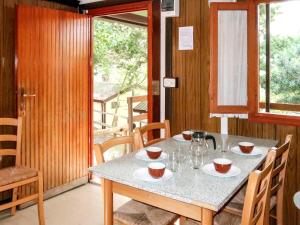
column 186, row 38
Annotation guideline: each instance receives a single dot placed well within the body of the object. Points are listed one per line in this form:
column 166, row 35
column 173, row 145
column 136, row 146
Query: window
column 279, row 58
column 229, row 56
column 272, row 59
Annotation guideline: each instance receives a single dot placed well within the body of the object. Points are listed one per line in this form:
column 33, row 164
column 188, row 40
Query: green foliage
column 284, row 62
column 122, row 48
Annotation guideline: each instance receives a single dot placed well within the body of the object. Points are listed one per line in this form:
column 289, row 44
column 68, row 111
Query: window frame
column 255, row 115
column 214, row 107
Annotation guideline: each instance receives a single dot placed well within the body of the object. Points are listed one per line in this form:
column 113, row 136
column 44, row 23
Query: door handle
column 29, row 95
column 22, row 100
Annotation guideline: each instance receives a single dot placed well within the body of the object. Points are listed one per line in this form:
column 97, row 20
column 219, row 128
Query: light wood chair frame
column 255, row 211
column 278, row 182
column 100, row 149
column 278, row 179
column 138, row 118
column 38, row 179
column 143, row 131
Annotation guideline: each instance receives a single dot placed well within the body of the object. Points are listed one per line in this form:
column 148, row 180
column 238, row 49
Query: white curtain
column 232, row 57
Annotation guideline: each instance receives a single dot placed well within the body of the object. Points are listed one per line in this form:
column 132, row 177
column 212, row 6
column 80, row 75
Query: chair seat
column 11, row 175
column 222, row 218
column 136, row 213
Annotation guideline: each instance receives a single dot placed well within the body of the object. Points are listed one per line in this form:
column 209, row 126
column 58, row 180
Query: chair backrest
column 142, row 131
column 100, row 149
column 6, row 137
column 138, row 118
column 258, row 191
column 279, row 175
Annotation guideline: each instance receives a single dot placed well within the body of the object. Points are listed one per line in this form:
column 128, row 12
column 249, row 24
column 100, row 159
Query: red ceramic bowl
column 222, row 165
column 156, row 169
column 246, row 147
column 153, row 152
column 187, row 135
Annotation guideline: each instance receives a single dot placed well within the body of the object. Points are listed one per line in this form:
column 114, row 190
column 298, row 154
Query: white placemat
column 256, row 151
column 210, row 170
column 179, row 137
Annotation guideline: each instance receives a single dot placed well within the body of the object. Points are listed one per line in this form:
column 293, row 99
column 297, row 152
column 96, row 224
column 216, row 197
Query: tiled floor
column 81, row 206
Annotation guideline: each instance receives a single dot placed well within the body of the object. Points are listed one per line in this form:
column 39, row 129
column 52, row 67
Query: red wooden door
column 53, row 82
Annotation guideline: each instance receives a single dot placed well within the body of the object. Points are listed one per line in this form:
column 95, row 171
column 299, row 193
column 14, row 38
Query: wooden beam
column 104, row 4
column 73, row 3
column 130, row 18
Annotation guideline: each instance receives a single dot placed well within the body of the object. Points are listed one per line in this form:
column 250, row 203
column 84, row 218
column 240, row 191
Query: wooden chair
column 277, row 189
column 135, row 118
column 16, row 176
column 150, row 127
column 134, row 212
column 255, row 211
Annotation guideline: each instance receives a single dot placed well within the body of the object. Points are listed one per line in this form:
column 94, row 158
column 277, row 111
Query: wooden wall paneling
column 1, row 57
column 42, row 92
column 8, row 92
column 78, row 94
column 67, row 93
column 207, row 123
column 72, row 98
column 193, row 68
column 179, row 64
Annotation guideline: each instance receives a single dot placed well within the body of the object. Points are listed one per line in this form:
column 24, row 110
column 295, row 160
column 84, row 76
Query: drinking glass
column 197, row 157
column 173, row 161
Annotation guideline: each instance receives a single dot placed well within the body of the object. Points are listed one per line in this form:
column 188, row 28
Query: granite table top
column 189, row 185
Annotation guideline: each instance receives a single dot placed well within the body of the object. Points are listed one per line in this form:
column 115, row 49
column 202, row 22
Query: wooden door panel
column 53, row 55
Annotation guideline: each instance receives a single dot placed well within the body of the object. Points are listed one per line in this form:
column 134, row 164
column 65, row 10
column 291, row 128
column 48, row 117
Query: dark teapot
column 199, row 136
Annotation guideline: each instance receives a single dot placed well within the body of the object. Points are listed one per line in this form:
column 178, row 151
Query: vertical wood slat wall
column 192, row 68
column 60, row 163
column 190, row 102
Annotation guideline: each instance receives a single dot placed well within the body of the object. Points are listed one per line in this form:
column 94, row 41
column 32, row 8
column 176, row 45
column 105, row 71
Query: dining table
column 189, row 192
column 297, row 200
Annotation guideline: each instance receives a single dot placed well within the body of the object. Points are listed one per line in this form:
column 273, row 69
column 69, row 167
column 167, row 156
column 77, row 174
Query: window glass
column 279, row 56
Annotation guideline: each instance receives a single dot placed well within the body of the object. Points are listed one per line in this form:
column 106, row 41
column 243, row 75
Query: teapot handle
column 213, row 139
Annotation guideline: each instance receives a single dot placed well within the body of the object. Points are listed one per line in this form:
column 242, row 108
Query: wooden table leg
column 108, row 201
column 207, row 217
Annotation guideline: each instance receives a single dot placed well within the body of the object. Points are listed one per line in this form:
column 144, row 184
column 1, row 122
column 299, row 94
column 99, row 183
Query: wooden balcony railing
column 281, row 106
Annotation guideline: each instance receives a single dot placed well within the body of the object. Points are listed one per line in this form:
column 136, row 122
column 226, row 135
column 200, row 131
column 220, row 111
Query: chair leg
column 182, row 220
column 41, row 200
column 14, row 198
